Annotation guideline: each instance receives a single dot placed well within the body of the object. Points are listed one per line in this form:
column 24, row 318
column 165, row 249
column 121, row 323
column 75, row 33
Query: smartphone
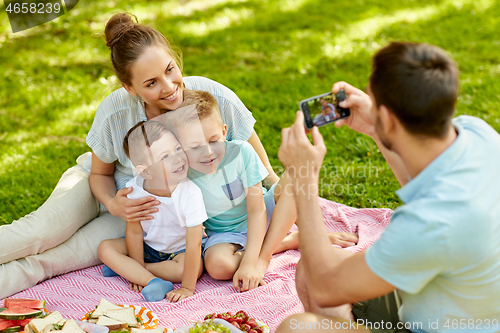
column 323, row 109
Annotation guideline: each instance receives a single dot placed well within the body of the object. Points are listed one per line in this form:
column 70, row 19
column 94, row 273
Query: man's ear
column 388, row 119
column 142, row 171
column 130, row 90
column 224, row 131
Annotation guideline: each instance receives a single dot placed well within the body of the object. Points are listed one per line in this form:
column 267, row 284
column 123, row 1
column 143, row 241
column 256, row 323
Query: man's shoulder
column 477, row 126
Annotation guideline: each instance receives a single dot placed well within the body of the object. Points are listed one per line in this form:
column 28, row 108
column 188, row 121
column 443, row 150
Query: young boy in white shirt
column 167, row 248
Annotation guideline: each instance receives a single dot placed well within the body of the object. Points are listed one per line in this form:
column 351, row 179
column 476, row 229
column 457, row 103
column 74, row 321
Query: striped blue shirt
column 120, row 111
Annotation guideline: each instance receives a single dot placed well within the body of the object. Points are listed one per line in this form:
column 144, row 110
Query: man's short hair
column 203, row 105
column 418, row 83
column 139, row 138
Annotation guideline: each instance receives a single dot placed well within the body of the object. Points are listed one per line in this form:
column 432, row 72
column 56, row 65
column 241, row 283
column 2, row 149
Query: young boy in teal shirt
column 229, row 174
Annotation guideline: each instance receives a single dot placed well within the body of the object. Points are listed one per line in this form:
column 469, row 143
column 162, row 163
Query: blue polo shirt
column 442, row 247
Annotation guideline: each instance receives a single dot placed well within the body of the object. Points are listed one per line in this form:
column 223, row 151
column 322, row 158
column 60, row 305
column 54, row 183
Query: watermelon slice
column 12, row 329
column 27, row 302
column 17, row 312
column 6, row 324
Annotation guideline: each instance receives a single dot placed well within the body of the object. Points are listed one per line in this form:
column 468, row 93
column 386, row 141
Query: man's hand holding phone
column 360, row 104
column 301, row 159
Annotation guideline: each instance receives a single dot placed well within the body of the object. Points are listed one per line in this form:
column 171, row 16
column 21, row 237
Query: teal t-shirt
column 442, row 247
column 224, row 190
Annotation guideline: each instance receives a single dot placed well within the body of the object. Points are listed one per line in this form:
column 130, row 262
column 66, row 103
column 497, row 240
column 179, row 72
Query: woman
column 64, row 233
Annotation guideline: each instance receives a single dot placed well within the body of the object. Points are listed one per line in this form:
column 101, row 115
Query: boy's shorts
column 380, row 315
column 240, row 238
column 152, row 256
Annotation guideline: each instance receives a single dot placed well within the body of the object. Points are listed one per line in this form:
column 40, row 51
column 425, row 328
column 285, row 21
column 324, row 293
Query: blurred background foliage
column 272, row 53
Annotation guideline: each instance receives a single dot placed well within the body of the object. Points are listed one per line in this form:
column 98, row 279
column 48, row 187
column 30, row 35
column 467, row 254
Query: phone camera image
column 323, row 109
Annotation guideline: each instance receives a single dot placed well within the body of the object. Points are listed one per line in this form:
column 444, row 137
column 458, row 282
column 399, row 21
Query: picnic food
column 121, row 318
column 241, row 320
column 209, row 326
column 29, row 303
column 18, row 312
column 37, row 325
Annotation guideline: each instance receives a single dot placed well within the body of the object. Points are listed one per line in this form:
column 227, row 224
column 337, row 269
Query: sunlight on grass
column 362, row 30
column 189, row 8
column 222, row 20
column 291, row 5
column 20, row 152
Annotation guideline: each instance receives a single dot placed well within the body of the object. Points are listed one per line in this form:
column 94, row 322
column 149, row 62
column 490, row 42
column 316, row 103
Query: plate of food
column 227, row 323
column 119, row 317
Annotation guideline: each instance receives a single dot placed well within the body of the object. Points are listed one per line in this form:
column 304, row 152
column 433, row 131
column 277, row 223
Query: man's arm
column 330, row 281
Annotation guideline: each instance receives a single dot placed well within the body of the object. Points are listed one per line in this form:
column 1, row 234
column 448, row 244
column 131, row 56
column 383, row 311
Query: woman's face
column 157, row 79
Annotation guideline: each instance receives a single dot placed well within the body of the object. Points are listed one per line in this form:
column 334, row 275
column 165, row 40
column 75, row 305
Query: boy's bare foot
column 290, row 242
column 343, row 239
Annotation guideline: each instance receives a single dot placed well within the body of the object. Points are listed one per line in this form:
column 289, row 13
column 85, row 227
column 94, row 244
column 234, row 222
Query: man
column 441, row 251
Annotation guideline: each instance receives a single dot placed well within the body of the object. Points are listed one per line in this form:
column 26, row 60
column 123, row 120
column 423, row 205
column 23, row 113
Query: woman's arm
column 102, row 183
column 259, row 149
column 256, row 210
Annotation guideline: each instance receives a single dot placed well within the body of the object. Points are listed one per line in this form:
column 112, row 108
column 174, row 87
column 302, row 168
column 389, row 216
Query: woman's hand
column 360, row 104
column 102, row 183
column 132, row 210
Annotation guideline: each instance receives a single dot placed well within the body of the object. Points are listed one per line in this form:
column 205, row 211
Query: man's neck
column 418, row 153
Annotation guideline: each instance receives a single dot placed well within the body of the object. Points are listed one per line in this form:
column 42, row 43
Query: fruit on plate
column 209, row 326
column 241, row 320
column 29, row 303
column 18, row 312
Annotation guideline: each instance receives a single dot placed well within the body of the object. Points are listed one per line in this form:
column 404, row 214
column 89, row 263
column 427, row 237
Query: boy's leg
column 70, row 206
column 113, row 253
column 222, row 260
column 283, row 218
column 171, row 270
column 79, row 251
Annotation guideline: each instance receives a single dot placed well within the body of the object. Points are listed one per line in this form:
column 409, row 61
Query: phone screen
column 323, row 109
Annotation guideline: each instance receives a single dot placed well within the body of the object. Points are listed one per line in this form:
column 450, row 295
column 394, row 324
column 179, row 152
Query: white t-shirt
column 166, row 232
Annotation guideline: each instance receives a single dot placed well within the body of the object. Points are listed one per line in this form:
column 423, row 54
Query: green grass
column 271, row 53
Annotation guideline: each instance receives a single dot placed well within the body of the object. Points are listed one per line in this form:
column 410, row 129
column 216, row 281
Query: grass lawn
column 271, row 53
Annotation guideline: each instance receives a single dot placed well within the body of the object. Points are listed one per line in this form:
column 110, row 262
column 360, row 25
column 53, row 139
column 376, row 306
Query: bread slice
column 103, row 307
column 151, row 330
column 110, row 323
column 37, row 325
column 71, row 326
column 126, row 315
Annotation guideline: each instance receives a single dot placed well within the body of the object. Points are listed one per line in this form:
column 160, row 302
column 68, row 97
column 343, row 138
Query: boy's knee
column 103, row 249
column 221, row 268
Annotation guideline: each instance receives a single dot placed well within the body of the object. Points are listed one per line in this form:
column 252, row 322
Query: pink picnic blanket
column 76, row 293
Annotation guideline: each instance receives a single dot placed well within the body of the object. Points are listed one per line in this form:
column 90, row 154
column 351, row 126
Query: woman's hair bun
column 118, row 25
